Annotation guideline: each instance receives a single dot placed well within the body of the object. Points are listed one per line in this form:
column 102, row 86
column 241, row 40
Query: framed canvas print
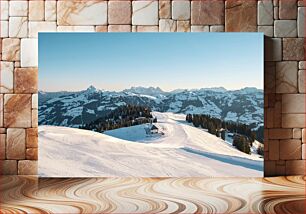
column 150, row 105
column 208, row 120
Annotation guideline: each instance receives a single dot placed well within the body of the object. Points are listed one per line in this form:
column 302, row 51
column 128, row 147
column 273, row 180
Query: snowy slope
column 179, row 134
column 182, row 151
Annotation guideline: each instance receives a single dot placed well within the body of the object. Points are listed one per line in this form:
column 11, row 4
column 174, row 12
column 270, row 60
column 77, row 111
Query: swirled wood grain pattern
column 153, row 195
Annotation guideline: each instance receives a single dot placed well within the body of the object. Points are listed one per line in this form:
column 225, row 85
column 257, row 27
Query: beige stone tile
column 304, row 151
column 304, row 135
column 277, row 134
column 216, row 28
column 4, row 9
column 4, row 29
column 180, row 10
column 267, row 30
column 295, row 167
column 239, row 16
column 301, row 83
column 2, row 130
column 17, row 64
column 273, row 150
column 32, row 154
column 207, row 12
column 41, row 26
column 293, row 103
column 286, row 77
column 275, row 13
column 273, row 49
column 119, row 28
column 89, row 12
column 302, row 65
column 280, row 170
column 270, row 168
column 25, row 80
column 2, row 146
column 290, row 149
column 36, row 10
column 147, row 28
column 293, row 120
column 50, row 10
column 1, row 110
column 164, row 9
column 29, row 52
column 6, row 77
column 11, row 49
column 27, row 167
column 15, row 144
column 34, row 118
column 17, row 110
column 301, row 3
column 269, row 78
column 167, row 25
column 183, row 26
column 297, row 133
column 301, row 22
column 18, row 27
column 293, row 49
column 75, row 29
column 119, row 12
column 8, row 167
column 101, row 28
column 285, row 28
column 145, row 13
column 32, row 138
column 269, row 117
column 34, row 101
column 277, row 114
column 199, row 28
column 281, row 163
column 287, row 9
column 265, row 12
column 134, row 28
column 18, row 8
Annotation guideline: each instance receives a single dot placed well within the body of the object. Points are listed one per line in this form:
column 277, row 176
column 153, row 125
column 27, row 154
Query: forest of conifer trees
column 243, row 134
column 123, row 116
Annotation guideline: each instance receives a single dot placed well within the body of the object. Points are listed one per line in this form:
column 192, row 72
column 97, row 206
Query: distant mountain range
column 73, row 109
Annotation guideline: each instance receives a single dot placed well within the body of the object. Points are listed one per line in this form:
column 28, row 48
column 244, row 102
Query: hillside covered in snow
column 177, row 150
column 72, row 109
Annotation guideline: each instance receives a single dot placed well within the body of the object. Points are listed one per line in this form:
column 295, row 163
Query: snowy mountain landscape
column 180, row 151
column 177, row 148
column 73, row 109
column 151, row 105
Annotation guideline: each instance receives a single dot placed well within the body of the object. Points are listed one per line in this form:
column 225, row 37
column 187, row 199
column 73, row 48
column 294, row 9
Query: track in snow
column 183, row 151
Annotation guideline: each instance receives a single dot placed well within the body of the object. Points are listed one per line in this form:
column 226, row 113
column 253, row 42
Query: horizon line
column 184, row 89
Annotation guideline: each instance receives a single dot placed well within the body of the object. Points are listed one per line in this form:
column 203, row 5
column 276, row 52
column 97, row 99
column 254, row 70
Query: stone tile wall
column 282, row 21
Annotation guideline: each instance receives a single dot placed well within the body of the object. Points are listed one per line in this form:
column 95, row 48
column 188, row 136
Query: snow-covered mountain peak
column 248, row 90
column 91, row 88
column 215, row 89
column 75, row 108
column 145, row 90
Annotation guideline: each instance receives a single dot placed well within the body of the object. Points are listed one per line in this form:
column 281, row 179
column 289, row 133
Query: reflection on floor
column 139, row 195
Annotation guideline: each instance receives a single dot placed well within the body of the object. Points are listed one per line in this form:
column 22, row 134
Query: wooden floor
column 139, row 195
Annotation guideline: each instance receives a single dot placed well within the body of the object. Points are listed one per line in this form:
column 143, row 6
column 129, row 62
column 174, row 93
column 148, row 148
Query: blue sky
column 116, row 61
